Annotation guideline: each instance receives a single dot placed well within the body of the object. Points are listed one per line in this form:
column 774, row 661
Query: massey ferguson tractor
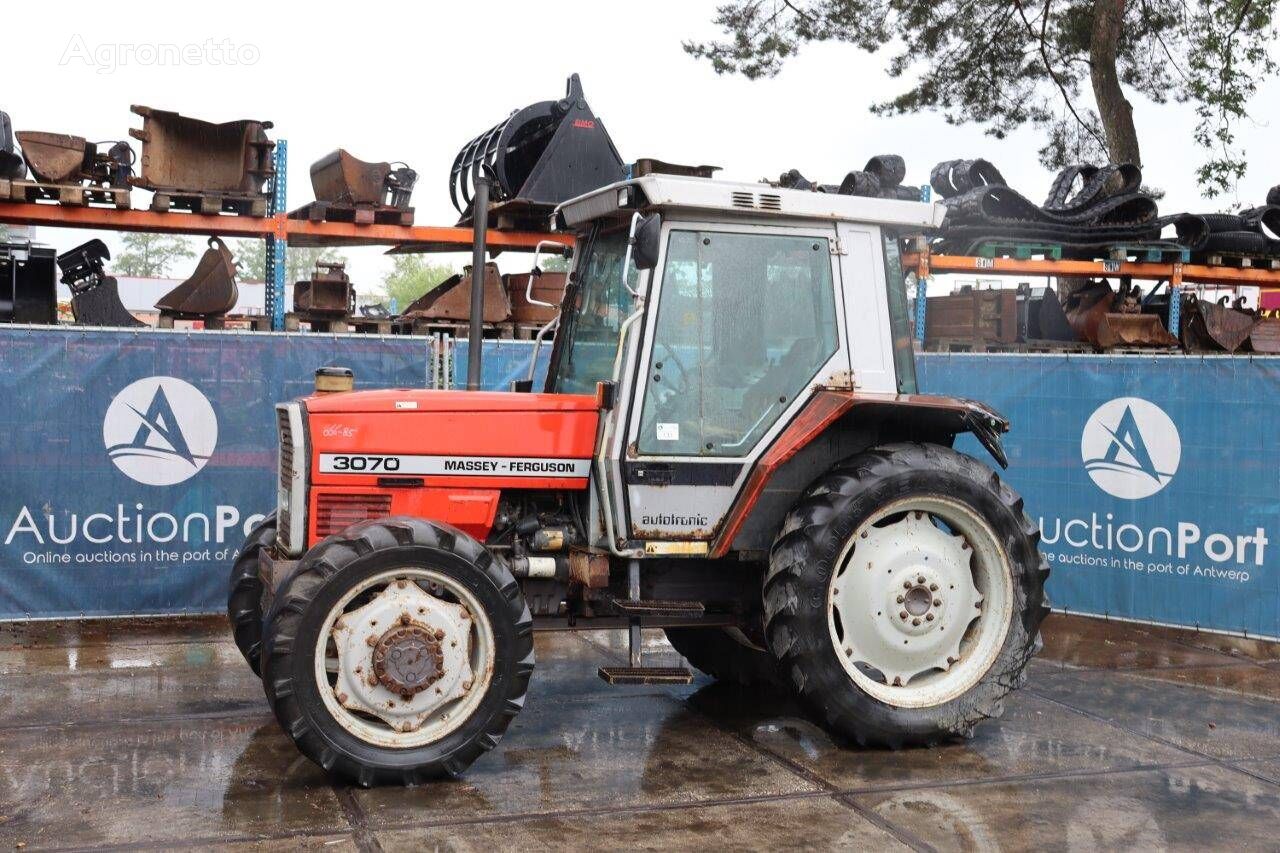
column 729, row 446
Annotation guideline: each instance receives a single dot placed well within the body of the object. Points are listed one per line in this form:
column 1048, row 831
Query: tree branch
column 1048, row 65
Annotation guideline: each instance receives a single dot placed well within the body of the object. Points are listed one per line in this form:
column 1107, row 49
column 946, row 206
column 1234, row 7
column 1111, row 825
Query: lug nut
column 903, row 614
column 901, row 599
column 928, row 617
column 933, row 587
column 342, row 698
column 915, row 621
column 439, row 633
column 920, row 579
column 906, row 584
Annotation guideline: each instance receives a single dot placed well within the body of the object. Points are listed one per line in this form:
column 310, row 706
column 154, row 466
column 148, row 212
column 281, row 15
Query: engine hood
column 419, row 400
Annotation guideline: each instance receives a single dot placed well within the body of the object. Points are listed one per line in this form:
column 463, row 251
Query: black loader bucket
column 12, row 165
column 539, row 156
column 95, row 298
column 210, row 291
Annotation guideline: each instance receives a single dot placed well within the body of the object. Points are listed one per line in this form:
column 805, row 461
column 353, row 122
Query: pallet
column 973, row 345
column 209, row 204
column 358, row 214
column 1020, row 251
column 1152, row 252
column 213, row 323
column 460, row 329
column 69, row 195
column 323, row 323
column 1244, row 262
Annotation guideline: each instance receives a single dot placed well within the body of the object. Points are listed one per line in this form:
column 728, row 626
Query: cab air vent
column 741, row 199
column 768, row 201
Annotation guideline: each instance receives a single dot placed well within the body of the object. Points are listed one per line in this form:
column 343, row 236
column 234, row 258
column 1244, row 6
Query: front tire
column 890, row 549
column 397, row 651
column 244, row 595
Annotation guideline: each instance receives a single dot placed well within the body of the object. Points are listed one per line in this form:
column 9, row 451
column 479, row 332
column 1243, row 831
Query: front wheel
column 244, row 593
column 905, row 594
column 397, row 651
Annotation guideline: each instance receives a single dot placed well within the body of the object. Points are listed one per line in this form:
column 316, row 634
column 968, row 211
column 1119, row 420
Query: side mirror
column 648, row 242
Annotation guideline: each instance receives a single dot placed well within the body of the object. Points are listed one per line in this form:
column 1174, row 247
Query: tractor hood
column 418, row 400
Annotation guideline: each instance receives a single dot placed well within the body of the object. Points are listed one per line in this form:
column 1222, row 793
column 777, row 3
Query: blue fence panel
column 503, row 362
column 134, row 461
column 1155, row 480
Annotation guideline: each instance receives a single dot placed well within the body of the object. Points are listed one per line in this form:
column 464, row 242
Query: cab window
column 744, row 323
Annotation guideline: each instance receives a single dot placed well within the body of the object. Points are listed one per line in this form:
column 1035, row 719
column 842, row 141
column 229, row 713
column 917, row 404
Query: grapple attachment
column 95, row 298
column 210, row 291
column 539, row 156
column 187, row 154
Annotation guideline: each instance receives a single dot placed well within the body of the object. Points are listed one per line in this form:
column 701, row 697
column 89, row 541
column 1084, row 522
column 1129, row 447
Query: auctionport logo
column 160, row 431
column 1130, row 448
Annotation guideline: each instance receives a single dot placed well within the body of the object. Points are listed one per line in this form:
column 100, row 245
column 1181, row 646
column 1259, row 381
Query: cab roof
column 758, row 200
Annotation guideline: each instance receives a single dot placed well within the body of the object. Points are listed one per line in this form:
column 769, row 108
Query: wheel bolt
column 915, row 621
column 933, row 587
column 903, row 614
column 937, row 602
column 906, row 584
column 928, row 617
column 920, row 579
column 901, row 599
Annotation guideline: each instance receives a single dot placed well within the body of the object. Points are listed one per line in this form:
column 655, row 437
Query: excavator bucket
column 1085, row 308
column 328, row 291
column 190, row 155
column 540, row 155
column 56, row 158
column 1051, row 321
column 1133, row 330
column 1265, row 337
column 1213, row 326
column 95, row 297
column 12, row 166
column 451, row 299
column 210, row 291
column 339, row 177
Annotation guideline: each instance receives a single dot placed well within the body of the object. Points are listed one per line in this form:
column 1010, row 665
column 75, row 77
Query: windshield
column 595, row 305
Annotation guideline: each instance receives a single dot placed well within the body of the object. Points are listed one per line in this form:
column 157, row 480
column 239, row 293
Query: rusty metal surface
column 1265, row 337
column 341, row 178
column 210, row 291
column 978, row 315
column 181, row 153
column 328, row 291
column 1132, row 330
column 589, row 569
column 1215, row 326
column 55, row 158
column 451, row 300
column 548, row 287
column 1085, row 308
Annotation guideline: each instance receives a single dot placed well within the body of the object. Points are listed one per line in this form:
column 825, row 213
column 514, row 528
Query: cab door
column 747, row 320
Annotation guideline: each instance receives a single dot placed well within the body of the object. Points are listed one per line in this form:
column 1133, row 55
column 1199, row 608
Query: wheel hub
column 905, row 597
column 408, row 659
column 403, row 656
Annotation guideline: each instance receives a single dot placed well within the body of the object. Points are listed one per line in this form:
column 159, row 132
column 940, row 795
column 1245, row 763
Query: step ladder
column 636, row 608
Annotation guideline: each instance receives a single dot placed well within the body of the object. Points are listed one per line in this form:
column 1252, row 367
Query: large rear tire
column 878, row 560
column 244, row 595
column 397, row 651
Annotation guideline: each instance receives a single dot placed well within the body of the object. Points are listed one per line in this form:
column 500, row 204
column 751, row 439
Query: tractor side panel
column 448, row 466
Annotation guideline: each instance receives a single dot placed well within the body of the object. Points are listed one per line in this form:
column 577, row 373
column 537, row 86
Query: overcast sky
column 414, row 82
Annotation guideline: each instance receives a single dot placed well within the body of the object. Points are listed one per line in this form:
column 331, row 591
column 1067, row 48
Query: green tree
column 553, row 263
column 151, row 255
column 411, row 276
column 299, row 261
column 1009, row 63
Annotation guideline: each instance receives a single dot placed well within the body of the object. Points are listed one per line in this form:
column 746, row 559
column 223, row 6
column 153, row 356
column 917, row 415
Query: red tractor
column 730, row 447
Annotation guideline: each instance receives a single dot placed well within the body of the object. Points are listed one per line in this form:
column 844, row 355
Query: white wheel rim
column 417, row 598
column 896, row 645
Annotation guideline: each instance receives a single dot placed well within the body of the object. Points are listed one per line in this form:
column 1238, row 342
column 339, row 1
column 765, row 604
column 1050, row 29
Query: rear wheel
column 244, row 595
column 398, row 651
column 724, row 656
column 905, row 594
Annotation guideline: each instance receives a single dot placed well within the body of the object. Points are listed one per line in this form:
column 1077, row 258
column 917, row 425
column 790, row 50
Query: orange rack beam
column 297, row 232
column 926, row 263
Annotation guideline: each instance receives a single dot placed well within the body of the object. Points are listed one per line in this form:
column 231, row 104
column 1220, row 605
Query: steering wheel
column 683, row 378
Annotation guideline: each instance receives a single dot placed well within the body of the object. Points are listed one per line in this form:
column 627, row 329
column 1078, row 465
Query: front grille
column 285, row 474
column 337, row 512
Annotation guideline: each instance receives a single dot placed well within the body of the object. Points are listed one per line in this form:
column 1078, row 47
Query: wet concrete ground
column 157, row 735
